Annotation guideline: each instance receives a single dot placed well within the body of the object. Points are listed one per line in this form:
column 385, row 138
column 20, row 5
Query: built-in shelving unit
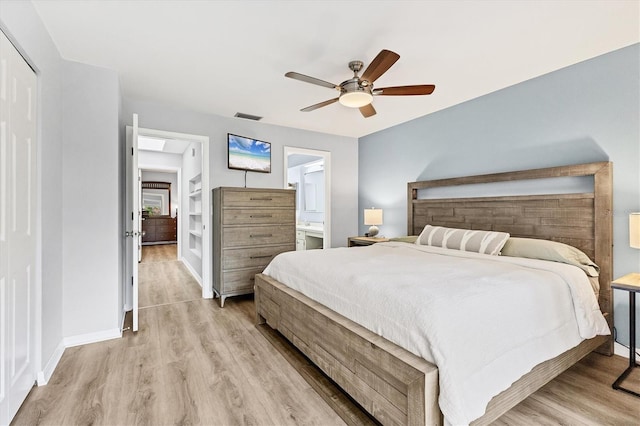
column 195, row 215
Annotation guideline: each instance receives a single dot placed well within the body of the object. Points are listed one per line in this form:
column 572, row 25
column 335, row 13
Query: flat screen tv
column 248, row 154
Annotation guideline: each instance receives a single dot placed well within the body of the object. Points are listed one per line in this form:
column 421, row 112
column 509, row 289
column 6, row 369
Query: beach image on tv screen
column 249, row 154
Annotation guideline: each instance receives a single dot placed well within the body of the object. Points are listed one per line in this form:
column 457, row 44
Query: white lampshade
column 355, row 99
column 634, row 230
column 373, row 216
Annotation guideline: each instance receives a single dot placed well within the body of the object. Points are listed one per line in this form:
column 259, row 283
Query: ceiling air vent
column 248, row 116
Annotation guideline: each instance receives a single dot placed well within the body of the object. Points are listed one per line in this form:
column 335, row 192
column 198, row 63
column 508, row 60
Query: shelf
column 195, row 215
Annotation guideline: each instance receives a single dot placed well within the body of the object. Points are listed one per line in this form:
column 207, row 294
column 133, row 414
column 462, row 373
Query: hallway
column 164, row 279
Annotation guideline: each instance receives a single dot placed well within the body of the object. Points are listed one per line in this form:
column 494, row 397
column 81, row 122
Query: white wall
column 586, row 112
column 344, row 157
column 158, row 159
column 91, row 219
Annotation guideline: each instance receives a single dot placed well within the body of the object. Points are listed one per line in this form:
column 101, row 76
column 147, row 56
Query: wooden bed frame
column 397, row 387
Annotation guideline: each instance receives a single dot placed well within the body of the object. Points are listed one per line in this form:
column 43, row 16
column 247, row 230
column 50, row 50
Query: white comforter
column 483, row 320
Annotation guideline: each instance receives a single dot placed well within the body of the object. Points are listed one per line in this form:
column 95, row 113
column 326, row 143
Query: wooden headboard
column 581, row 220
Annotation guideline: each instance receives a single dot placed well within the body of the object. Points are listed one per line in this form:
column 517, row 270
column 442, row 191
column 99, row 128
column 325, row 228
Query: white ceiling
column 223, row 57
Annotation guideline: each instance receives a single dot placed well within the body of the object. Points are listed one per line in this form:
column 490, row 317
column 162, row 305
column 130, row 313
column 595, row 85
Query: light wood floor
column 163, row 278
column 195, row 363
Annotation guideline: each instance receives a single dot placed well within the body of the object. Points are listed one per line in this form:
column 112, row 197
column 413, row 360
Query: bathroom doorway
column 309, row 172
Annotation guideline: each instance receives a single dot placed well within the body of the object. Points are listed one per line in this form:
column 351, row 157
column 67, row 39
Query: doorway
column 190, row 161
column 309, row 172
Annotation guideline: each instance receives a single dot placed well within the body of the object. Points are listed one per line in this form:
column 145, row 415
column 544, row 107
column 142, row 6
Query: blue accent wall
column 583, row 113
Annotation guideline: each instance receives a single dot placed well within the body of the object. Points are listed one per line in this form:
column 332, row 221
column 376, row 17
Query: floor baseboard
column 621, row 350
column 45, row 375
column 85, row 339
column 191, row 270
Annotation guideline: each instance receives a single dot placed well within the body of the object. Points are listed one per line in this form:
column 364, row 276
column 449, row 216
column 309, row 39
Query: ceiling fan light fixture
column 356, row 99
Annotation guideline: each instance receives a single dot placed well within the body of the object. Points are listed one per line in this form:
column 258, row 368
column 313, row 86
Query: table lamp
column 373, row 217
column 634, row 230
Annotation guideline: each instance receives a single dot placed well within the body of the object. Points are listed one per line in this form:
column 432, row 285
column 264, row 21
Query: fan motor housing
column 354, row 85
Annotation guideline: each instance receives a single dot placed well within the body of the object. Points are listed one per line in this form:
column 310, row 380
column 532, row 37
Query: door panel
column 18, row 85
column 136, row 242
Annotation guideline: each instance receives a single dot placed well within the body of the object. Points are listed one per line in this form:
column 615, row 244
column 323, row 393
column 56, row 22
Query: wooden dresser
column 250, row 227
column 159, row 229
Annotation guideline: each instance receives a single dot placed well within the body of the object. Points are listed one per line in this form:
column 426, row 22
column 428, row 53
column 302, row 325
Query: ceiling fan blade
column 312, row 80
column 423, row 89
column 319, row 105
column 380, row 65
column 368, row 110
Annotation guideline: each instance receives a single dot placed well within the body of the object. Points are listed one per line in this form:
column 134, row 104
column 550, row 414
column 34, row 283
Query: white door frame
column 326, row 156
column 207, row 287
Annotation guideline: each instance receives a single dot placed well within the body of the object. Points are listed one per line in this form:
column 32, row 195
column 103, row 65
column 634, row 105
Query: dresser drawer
column 165, row 236
column 283, row 198
column 163, row 221
column 257, row 216
column 148, row 236
column 165, row 228
column 240, row 280
column 258, row 235
column 252, row 257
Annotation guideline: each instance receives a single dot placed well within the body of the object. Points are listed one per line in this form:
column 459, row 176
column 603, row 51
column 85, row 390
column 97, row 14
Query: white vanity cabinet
column 309, row 238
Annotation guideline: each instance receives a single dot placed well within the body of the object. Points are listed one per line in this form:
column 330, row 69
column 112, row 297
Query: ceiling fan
column 358, row 92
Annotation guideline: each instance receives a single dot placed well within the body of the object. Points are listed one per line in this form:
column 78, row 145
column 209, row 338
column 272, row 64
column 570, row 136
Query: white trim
column 45, row 375
column 173, row 135
column 193, row 272
column 326, row 155
column 124, row 317
column 207, row 290
column 621, row 350
column 85, row 339
column 207, row 208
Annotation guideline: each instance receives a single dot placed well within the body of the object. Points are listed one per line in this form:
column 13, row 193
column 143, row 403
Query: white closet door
column 18, row 85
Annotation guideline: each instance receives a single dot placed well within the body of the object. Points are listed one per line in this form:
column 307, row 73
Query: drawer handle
column 260, row 235
column 252, row 279
column 261, row 215
column 261, row 199
column 260, row 257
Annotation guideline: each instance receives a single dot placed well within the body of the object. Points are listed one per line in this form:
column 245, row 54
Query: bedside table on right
column 630, row 283
column 364, row 241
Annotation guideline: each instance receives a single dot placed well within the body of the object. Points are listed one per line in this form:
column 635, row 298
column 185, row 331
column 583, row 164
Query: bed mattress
column 483, row 320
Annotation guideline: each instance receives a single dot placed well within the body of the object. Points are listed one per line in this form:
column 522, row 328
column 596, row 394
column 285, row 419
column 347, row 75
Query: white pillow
column 487, row 242
column 550, row 250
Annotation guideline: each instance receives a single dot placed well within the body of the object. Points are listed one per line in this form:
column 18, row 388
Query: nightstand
column 630, row 283
column 364, row 241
